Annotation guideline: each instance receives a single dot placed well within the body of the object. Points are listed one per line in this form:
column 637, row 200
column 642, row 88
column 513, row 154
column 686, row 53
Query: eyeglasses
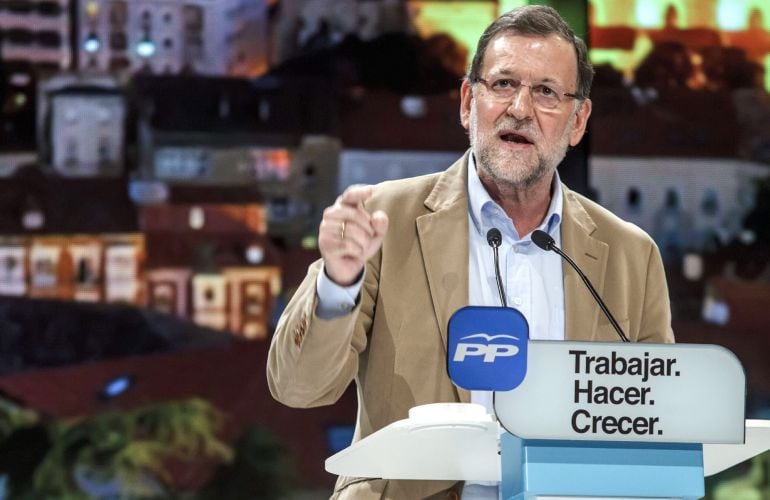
column 543, row 96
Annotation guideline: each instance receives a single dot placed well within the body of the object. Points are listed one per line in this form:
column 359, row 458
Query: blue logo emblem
column 487, row 348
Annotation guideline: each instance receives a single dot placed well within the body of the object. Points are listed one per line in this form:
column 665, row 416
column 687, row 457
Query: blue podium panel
column 533, row 468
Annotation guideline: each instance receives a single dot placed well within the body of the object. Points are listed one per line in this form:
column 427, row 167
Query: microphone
column 495, row 239
column 544, row 241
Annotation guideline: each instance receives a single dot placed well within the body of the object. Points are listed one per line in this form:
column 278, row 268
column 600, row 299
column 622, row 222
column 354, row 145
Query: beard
column 515, row 170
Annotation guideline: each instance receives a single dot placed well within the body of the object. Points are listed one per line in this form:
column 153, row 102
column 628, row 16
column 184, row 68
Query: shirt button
column 344, row 307
column 515, row 249
column 517, row 301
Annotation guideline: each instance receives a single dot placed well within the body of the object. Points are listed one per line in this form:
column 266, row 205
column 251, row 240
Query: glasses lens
column 547, row 101
column 502, row 89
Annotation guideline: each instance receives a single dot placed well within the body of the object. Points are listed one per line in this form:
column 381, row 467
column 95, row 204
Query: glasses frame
column 487, row 86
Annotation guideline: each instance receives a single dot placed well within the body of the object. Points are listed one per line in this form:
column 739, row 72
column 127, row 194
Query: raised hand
column 349, row 235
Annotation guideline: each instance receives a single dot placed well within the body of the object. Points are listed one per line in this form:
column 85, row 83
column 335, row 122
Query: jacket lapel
column 590, row 254
column 445, row 252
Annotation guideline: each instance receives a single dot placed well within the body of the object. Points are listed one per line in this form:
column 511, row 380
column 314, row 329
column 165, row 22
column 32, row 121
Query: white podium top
column 718, row 457
column 451, row 441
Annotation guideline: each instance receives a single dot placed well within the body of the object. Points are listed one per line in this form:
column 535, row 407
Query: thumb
column 379, row 223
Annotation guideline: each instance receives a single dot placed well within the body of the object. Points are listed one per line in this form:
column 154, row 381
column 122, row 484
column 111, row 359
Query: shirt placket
column 518, row 281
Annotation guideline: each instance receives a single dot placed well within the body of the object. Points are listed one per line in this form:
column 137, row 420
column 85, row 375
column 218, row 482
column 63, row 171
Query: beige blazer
column 393, row 344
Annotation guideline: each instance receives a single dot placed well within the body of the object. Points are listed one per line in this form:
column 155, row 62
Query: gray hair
column 536, row 20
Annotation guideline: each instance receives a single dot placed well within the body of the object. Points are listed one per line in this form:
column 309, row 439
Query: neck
column 527, row 207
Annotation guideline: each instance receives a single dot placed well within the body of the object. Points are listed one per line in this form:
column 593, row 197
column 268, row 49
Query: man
column 375, row 308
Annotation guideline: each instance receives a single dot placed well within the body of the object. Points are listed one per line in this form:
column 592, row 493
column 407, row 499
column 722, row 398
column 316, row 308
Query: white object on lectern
column 452, row 441
column 718, row 457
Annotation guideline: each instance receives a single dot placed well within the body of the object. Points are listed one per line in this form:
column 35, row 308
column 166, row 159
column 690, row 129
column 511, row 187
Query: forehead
column 534, row 57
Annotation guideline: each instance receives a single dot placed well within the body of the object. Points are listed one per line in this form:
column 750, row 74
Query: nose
column 521, row 106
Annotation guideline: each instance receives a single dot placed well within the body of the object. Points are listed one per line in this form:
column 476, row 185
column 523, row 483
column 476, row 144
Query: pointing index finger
column 356, row 195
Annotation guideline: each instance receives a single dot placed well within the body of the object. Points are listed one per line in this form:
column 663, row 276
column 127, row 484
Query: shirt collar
column 486, row 213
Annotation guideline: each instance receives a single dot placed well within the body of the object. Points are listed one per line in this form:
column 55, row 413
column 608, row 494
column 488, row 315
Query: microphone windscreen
column 542, row 239
column 494, row 238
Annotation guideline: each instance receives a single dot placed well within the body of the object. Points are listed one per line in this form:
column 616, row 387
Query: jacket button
column 452, row 495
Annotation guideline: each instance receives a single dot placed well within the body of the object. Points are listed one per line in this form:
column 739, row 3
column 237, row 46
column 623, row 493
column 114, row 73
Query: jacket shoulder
column 609, row 225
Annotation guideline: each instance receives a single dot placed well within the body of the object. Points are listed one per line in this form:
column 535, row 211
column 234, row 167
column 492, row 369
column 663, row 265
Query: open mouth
column 513, row 137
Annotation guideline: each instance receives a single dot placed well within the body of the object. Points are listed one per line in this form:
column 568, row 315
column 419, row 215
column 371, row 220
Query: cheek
column 555, row 130
column 486, row 120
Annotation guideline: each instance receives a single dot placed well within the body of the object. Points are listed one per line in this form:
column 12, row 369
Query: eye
column 546, row 91
column 504, row 83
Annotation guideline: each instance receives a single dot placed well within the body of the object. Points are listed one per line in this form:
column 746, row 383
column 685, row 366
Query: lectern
column 596, row 420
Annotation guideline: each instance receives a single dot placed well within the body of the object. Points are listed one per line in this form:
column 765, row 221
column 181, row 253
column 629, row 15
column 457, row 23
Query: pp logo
column 488, row 350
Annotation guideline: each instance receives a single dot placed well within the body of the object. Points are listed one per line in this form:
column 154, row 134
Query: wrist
column 342, row 282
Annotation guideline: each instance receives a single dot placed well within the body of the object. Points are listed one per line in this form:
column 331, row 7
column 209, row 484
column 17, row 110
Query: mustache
column 524, row 126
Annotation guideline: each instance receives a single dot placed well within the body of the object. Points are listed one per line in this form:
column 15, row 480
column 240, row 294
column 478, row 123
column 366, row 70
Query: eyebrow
column 509, row 73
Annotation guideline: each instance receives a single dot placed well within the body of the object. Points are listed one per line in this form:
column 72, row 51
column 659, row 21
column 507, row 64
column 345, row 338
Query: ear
column 581, row 120
column 465, row 103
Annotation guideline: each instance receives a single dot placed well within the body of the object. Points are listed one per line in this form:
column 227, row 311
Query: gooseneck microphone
column 495, row 239
column 544, row 241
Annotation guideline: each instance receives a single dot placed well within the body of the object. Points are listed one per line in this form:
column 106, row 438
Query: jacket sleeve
column 656, row 313
column 311, row 360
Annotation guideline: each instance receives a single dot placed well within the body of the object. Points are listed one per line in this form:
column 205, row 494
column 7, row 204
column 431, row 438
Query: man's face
column 518, row 142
